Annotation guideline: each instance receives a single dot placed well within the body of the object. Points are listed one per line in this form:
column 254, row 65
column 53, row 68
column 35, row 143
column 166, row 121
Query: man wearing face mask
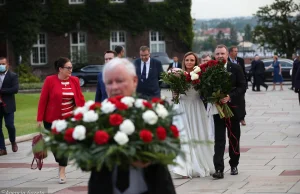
column 9, row 86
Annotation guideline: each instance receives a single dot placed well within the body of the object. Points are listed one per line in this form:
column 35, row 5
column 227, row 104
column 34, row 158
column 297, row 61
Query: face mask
column 2, row 68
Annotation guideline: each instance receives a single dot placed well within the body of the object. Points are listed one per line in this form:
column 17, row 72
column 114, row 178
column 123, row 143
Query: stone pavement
column 270, row 156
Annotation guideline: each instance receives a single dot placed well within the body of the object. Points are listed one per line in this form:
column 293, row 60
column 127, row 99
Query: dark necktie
column 122, row 179
column 144, row 73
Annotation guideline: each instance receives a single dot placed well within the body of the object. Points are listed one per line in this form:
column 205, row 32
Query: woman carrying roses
column 60, row 94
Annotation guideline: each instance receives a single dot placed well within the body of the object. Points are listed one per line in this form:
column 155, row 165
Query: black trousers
column 9, row 124
column 259, row 81
column 220, row 142
column 62, row 161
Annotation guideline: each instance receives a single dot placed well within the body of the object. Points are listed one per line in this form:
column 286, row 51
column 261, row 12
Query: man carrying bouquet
column 142, row 178
column 235, row 102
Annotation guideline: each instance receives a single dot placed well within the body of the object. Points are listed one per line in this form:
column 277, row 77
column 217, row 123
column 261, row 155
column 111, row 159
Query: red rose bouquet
column 176, row 79
column 213, row 85
column 119, row 131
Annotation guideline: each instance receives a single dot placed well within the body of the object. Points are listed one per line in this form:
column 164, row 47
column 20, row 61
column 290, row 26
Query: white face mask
column 2, row 68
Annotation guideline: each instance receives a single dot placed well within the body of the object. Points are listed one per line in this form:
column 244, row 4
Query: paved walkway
column 270, row 158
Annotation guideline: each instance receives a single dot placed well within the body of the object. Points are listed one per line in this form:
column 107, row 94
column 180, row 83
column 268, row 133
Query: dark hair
column 231, row 48
column 119, row 49
column 60, row 63
column 188, row 54
column 110, row 51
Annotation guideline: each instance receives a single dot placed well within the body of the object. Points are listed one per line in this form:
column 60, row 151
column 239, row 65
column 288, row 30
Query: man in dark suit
column 175, row 64
column 100, row 90
column 233, row 58
column 9, row 86
column 139, row 178
column 235, row 100
column 148, row 71
column 258, row 71
column 296, row 66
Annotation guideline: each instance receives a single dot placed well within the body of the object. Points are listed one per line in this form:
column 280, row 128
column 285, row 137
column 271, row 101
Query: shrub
column 25, row 74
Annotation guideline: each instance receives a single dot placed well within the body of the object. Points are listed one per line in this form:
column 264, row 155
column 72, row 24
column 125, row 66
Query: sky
column 208, row 9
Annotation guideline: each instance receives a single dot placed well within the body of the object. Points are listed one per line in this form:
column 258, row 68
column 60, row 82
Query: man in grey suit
column 148, row 71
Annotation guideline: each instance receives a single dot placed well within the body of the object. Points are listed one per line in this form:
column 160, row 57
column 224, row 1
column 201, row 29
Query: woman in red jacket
column 60, row 94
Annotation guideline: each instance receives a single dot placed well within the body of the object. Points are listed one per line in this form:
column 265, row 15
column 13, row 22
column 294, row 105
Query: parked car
column 286, row 65
column 87, row 74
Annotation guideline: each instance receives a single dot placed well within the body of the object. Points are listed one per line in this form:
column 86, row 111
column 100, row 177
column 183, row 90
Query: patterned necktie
column 144, row 72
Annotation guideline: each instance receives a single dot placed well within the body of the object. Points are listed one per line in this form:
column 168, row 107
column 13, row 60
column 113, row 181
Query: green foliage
column 26, row 18
column 29, row 86
column 25, row 75
column 278, row 27
column 248, row 33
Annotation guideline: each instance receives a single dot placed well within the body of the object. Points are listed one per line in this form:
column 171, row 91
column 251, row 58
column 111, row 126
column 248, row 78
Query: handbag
column 39, row 151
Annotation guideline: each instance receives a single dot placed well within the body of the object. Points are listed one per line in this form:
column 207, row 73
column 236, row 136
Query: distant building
column 214, row 32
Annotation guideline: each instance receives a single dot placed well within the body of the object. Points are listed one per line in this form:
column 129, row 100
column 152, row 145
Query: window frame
column 118, row 43
column 117, row 1
column 38, row 45
column 157, row 41
column 76, row 3
column 156, row 1
column 78, row 44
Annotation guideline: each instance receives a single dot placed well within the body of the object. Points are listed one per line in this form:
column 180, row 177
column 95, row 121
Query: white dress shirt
column 175, row 64
column 147, row 67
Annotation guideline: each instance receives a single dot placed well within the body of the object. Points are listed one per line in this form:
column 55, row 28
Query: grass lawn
column 25, row 116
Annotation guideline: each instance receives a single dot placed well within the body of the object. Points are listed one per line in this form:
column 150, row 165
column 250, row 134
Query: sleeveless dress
column 276, row 78
column 193, row 124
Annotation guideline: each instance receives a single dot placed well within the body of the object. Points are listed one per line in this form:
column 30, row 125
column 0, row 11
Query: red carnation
column 54, row 131
column 156, row 100
column 121, row 105
column 174, row 131
column 113, row 100
column 161, row 133
column 101, row 137
column 146, row 135
column 78, row 117
column 147, row 104
column 95, row 105
column 187, row 76
column 197, row 81
column 115, row 119
column 212, row 63
column 68, row 136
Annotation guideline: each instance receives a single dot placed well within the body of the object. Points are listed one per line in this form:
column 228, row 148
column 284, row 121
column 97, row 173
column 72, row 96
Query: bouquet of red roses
column 176, row 79
column 213, row 85
column 119, row 131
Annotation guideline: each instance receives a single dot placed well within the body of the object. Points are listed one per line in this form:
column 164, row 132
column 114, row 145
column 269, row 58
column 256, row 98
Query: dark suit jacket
column 296, row 66
column 171, row 65
column 9, row 88
column 150, row 87
column 297, row 80
column 100, row 90
column 241, row 62
column 157, row 178
column 238, row 90
column 257, row 67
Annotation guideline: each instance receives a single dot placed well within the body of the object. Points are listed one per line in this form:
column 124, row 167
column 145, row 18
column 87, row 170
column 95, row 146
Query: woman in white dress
column 193, row 124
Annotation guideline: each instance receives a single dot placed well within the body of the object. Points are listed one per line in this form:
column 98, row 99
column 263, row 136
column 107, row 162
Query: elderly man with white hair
column 119, row 76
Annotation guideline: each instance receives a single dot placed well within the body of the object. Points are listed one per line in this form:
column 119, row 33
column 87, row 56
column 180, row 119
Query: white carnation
column 196, row 69
column 121, row 138
column 88, row 104
column 61, row 125
column 128, row 100
column 79, row 132
column 81, row 110
column 161, row 111
column 54, row 124
column 194, row 76
column 139, row 103
column 107, row 107
column 90, row 116
column 127, row 127
column 150, row 117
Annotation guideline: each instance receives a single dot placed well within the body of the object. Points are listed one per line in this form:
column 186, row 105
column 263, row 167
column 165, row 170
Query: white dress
column 194, row 124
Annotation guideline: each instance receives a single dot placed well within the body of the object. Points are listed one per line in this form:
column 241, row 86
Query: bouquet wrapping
column 119, row 131
column 176, row 79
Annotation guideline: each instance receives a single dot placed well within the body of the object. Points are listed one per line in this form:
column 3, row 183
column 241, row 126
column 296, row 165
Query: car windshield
column 94, row 68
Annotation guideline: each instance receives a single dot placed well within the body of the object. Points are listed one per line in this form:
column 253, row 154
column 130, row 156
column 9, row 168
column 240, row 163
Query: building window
column 76, row 1
column 157, row 42
column 39, row 50
column 2, row 2
column 117, row 1
column 78, row 47
column 117, row 38
column 156, row 1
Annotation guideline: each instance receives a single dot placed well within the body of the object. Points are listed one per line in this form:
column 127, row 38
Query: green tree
column 233, row 36
column 220, row 37
column 248, row 33
column 277, row 27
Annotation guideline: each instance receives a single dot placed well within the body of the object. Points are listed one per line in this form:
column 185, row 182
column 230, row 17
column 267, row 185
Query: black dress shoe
column 234, row 171
column 3, row 152
column 218, row 175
